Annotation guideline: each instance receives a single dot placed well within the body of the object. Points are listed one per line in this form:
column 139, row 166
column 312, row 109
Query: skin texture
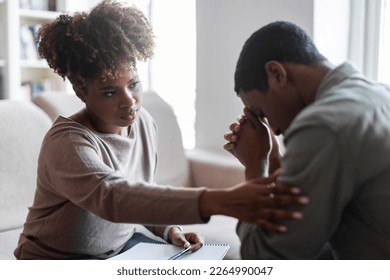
column 108, row 103
column 258, row 201
column 256, row 130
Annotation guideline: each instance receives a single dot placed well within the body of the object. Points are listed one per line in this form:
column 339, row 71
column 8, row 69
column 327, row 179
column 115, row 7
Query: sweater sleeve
column 72, row 168
column 312, row 162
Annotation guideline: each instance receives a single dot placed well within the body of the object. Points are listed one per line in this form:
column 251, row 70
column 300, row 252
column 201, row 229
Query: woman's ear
column 277, row 74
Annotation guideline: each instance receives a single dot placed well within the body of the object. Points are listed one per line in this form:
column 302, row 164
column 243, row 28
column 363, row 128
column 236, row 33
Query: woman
column 96, row 168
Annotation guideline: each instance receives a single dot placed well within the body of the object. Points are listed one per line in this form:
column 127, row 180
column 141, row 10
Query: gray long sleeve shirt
column 338, row 153
column 92, row 186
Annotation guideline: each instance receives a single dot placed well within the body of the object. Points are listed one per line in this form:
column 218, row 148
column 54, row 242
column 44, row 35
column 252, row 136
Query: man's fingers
column 230, row 137
column 229, row 147
column 241, row 119
column 234, row 127
column 256, row 121
column 251, row 117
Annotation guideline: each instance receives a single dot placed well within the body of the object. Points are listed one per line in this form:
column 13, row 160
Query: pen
column 179, row 254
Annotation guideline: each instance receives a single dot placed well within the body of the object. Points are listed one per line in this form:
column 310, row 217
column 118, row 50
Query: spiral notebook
column 154, row 251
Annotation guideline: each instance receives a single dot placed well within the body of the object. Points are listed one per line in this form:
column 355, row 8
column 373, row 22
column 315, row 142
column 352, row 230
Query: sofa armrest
column 214, row 169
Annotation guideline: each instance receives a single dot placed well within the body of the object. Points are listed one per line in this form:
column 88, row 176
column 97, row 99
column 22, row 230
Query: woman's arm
column 258, row 201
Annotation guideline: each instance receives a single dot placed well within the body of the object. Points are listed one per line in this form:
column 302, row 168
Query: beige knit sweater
column 92, row 186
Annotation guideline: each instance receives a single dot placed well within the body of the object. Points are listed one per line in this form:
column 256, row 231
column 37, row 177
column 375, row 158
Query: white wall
column 222, row 28
column 173, row 67
column 331, row 31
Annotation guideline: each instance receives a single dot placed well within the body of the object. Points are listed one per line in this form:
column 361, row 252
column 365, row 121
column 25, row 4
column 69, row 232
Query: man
column 336, row 127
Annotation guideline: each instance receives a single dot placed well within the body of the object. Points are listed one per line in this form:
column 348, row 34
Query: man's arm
column 314, row 163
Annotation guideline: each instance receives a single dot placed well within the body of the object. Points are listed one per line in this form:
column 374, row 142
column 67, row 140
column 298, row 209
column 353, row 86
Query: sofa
column 24, row 125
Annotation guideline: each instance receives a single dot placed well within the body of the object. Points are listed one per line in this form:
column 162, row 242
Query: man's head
column 280, row 41
column 269, row 71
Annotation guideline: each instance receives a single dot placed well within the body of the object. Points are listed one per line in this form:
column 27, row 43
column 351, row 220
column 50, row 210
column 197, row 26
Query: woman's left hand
column 185, row 239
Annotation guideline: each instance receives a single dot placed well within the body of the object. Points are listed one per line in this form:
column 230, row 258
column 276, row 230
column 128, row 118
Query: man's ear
column 277, row 74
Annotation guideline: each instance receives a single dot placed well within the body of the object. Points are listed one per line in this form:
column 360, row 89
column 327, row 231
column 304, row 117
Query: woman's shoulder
column 146, row 118
column 64, row 139
column 65, row 128
column 69, row 123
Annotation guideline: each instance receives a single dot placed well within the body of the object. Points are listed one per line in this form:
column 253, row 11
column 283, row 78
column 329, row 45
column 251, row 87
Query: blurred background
column 198, row 43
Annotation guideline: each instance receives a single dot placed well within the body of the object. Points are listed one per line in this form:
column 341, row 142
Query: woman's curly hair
column 84, row 47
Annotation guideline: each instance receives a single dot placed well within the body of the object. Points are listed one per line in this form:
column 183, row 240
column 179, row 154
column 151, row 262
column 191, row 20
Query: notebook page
column 153, row 251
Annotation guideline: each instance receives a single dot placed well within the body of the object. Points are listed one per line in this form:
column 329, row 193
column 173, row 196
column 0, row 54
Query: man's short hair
column 280, row 41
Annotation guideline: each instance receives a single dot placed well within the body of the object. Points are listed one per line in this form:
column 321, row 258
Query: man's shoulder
column 321, row 113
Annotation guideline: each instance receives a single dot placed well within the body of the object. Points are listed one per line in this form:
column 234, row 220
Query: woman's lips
column 131, row 114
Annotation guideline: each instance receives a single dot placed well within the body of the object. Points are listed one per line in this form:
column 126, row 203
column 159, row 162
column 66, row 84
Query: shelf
column 37, row 64
column 16, row 71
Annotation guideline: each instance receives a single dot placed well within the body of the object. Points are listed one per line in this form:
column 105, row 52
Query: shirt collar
column 335, row 77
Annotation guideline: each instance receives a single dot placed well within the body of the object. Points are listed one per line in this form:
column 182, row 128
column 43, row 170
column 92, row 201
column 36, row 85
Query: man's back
column 338, row 153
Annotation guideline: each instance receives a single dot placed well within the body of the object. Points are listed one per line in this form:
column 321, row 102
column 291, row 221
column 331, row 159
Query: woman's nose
column 127, row 100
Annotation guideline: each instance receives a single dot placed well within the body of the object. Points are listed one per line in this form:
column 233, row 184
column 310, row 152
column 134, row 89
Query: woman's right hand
column 258, row 201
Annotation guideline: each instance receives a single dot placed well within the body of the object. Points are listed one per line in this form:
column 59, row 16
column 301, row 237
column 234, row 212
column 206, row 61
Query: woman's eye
column 134, row 85
column 108, row 93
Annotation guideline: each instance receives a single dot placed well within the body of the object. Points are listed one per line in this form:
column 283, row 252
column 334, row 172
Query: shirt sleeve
column 82, row 177
column 313, row 161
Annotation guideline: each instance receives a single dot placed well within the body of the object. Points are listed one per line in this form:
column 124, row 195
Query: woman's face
column 112, row 104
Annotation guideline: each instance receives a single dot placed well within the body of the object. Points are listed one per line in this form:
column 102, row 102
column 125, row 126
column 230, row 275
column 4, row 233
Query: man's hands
column 259, row 201
column 254, row 144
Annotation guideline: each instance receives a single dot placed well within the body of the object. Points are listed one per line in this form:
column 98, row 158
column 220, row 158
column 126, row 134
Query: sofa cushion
column 214, row 169
column 173, row 166
column 219, row 230
column 55, row 104
column 23, row 127
column 9, row 240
